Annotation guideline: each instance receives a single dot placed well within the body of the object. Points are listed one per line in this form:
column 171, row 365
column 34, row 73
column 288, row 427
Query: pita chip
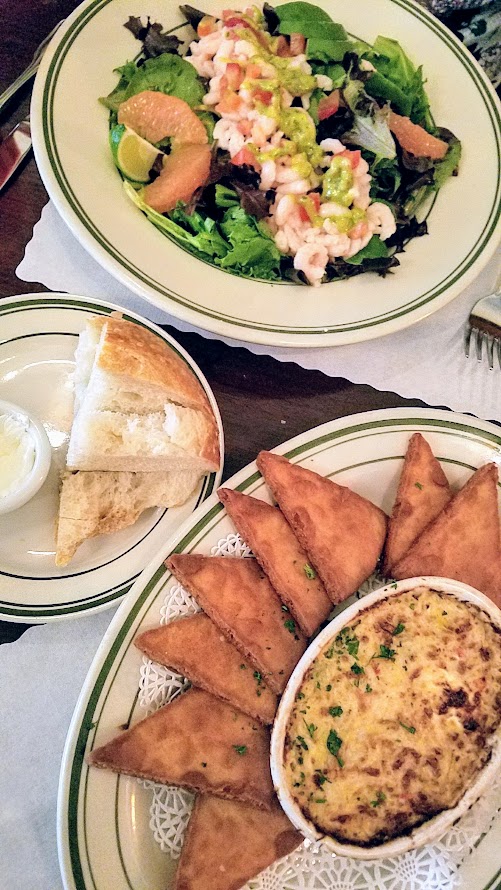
column 464, row 542
column 279, row 553
column 227, row 843
column 196, row 648
column 238, row 597
column 342, row 532
column 423, row 491
column 199, row 742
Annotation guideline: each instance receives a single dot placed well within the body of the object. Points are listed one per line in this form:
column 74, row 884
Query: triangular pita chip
column 342, row 532
column 423, row 491
column 279, row 553
column 197, row 648
column 199, row 742
column 227, row 843
column 239, row 598
column 464, row 541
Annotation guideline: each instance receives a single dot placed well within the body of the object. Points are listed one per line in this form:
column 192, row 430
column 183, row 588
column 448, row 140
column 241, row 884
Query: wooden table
column 263, row 402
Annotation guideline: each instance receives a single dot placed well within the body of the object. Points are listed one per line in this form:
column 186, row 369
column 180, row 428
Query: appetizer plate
column 39, row 333
column 70, row 130
column 105, row 842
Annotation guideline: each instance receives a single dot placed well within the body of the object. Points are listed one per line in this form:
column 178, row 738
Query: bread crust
column 133, row 352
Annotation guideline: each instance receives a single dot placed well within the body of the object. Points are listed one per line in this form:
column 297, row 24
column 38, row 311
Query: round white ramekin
column 34, row 480
column 433, row 828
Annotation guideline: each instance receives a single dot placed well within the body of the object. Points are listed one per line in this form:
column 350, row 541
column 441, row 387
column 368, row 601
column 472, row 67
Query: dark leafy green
column 398, row 81
column 374, row 250
column 154, row 39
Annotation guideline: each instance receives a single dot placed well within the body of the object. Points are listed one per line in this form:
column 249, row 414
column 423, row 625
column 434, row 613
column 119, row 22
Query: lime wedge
column 133, row 156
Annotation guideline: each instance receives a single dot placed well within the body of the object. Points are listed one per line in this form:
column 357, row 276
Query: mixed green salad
column 276, row 145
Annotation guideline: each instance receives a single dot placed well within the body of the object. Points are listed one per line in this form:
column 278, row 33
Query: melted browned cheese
column 393, row 718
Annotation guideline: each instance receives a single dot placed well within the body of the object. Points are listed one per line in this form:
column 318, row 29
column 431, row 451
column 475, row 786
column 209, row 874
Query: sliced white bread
column 138, row 405
column 97, row 503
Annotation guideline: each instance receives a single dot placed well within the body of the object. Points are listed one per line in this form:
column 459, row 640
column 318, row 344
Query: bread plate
column 39, row 336
column 429, row 830
column 71, row 150
column 105, row 842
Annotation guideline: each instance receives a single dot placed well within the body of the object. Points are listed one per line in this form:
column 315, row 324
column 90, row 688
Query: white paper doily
column 311, row 866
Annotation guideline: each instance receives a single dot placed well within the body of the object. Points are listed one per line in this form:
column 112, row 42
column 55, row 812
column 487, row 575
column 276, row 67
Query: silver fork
column 30, row 69
column 484, row 326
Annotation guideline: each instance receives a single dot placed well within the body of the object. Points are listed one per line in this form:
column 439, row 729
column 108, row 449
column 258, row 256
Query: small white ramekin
column 34, row 480
column 430, row 830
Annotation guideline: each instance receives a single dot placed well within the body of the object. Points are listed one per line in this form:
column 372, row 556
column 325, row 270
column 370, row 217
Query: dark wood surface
column 263, row 402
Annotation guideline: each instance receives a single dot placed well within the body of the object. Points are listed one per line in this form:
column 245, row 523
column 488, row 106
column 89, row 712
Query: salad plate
column 111, row 833
column 70, row 133
column 39, row 333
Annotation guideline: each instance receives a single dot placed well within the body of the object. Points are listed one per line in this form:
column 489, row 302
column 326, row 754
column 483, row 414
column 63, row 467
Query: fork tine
column 467, row 337
column 479, row 339
column 490, row 351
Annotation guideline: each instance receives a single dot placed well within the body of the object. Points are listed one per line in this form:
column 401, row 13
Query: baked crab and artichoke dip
column 394, row 717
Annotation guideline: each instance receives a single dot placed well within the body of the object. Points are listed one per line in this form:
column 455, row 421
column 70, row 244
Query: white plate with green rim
column 70, row 136
column 38, row 336
column 103, row 819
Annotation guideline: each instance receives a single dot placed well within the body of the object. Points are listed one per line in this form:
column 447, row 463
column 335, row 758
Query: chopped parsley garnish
column 311, row 728
column 302, row 743
column 336, row 711
column 243, row 667
column 398, row 629
column 380, row 798
column 240, row 749
column 300, row 695
column 330, row 652
column 385, row 652
column 320, row 778
column 320, row 800
column 309, row 572
column 328, row 687
column 334, row 743
column 356, row 669
column 394, row 585
column 290, row 625
column 411, row 729
column 368, row 688
column 258, row 676
column 419, row 485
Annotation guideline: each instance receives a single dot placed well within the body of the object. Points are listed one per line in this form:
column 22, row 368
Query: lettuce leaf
column 372, row 251
column 398, row 81
column 166, row 73
column 238, row 243
column 309, row 20
column 370, row 127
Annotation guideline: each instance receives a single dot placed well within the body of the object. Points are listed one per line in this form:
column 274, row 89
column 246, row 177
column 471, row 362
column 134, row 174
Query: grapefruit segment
column 156, row 116
column 415, row 139
column 184, row 171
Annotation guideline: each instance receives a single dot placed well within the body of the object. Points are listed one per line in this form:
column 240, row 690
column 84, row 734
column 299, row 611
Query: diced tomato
column 314, row 199
column 328, row 105
column 303, row 214
column 244, row 127
column 245, row 156
column 229, row 103
column 206, row 26
column 253, row 71
column 297, row 44
column 353, row 157
column 264, row 96
column 282, row 47
column 360, row 230
column 234, row 75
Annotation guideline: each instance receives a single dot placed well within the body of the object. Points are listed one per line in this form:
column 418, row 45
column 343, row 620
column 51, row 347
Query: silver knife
column 13, row 149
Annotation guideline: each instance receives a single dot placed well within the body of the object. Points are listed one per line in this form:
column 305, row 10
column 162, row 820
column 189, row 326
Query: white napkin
column 42, row 674
column 425, row 361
